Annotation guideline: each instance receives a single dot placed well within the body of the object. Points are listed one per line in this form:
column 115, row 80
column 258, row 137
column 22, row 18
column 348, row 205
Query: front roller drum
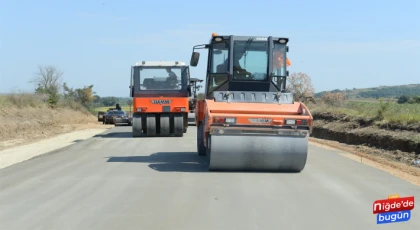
column 257, row 153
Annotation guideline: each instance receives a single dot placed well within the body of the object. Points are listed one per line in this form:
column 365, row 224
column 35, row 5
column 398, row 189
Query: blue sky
column 341, row 45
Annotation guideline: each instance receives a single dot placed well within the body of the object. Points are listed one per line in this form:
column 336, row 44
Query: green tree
column 47, row 80
column 403, row 99
column 414, row 100
column 109, row 101
column 85, row 95
column 69, row 93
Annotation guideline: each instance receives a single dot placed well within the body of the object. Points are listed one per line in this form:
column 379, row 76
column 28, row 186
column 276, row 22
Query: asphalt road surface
column 113, row 181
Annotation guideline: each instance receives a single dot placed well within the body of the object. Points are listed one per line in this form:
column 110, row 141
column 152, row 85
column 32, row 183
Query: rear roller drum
column 137, row 126
column 151, row 125
column 178, row 125
column 164, row 125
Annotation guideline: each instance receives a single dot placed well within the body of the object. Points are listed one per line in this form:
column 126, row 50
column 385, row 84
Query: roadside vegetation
column 382, row 111
column 378, row 92
column 50, row 92
column 50, row 109
column 391, row 125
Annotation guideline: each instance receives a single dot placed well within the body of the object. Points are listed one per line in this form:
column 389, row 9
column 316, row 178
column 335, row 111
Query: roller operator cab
column 160, row 92
column 248, row 121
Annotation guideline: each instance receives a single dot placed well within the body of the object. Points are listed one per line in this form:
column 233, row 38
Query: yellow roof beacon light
column 214, row 34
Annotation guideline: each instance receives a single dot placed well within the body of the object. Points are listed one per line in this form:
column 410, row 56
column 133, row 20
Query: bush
column 414, row 100
column 403, row 99
column 334, row 99
column 382, row 110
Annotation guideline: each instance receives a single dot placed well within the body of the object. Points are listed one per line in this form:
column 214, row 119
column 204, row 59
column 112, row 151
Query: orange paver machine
column 248, row 120
column 160, row 92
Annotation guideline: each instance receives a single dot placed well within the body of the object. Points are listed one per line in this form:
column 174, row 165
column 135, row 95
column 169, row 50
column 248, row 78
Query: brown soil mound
column 404, row 143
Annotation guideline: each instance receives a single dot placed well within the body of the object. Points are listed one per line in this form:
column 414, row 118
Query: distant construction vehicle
column 193, row 99
column 247, row 120
column 160, row 92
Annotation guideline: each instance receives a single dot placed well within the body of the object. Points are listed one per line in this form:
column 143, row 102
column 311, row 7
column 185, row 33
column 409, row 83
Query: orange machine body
column 262, row 116
column 249, row 119
column 161, row 104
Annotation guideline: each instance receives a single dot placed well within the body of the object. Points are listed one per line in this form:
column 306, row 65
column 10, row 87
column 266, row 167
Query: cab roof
column 160, row 63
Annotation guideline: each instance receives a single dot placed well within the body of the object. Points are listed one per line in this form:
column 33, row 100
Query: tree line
column 49, row 81
column 380, row 92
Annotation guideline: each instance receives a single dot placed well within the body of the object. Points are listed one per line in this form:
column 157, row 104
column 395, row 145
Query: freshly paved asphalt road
column 113, row 181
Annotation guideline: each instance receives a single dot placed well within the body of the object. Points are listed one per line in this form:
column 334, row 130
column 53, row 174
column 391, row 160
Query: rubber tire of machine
column 137, row 125
column 165, row 127
column 178, row 125
column 151, row 125
column 201, row 149
column 186, row 123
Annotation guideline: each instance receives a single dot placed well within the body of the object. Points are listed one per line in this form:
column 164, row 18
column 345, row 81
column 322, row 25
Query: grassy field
column 384, row 112
column 105, row 108
column 25, row 100
column 27, row 116
column 372, row 100
column 397, row 89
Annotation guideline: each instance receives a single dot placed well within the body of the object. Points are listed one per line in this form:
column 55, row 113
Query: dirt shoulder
column 19, row 126
column 395, row 149
column 374, row 158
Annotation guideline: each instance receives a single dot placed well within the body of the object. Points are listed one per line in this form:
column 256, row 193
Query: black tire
column 151, row 125
column 137, row 125
column 201, row 149
column 165, row 127
column 178, row 125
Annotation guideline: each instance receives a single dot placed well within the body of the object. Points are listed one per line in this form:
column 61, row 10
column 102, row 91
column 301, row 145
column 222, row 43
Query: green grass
column 372, row 100
column 383, row 112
